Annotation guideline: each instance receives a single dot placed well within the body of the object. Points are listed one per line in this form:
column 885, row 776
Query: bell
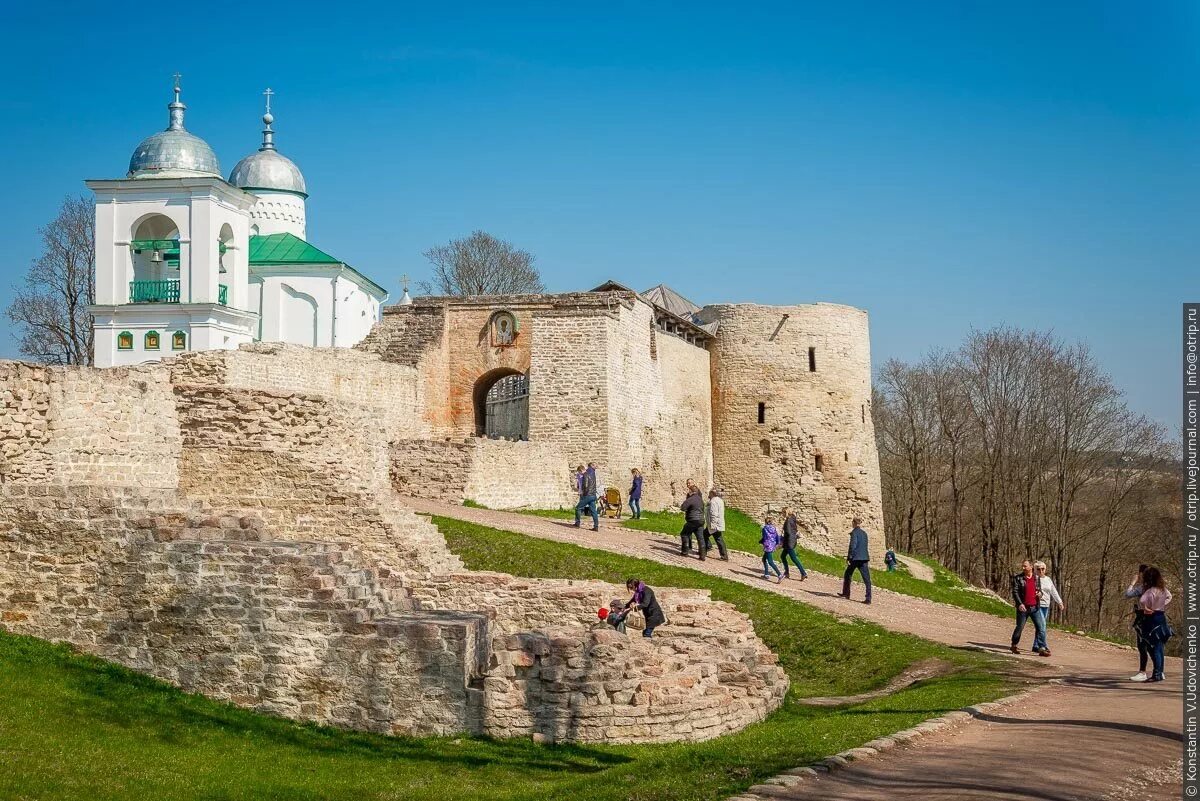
column 156, row 256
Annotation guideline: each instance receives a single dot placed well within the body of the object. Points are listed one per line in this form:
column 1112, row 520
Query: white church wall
column 357, row 311
column 278, row 213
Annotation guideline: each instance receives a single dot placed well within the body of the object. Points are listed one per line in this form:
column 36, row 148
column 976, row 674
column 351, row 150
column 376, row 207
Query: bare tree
column 50, row 305
column 481, row 264
column 1018, row 445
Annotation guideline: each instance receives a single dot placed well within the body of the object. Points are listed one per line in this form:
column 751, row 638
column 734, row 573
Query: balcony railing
column 153, row 291
column 166, row 292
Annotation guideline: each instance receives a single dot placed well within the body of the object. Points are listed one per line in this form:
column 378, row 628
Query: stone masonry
column 770, row 403
column 227, row 521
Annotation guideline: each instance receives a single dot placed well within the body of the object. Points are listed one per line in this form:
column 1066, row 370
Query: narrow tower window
column 819, row 463
column 864, row 413
column 762, row 413
column 812, row 360
column 765, row 446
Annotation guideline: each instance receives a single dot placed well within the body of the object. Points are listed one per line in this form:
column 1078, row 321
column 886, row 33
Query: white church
column 186, row 260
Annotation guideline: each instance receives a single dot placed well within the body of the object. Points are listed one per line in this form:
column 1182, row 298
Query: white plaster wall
column 357, row 308
column 278, row 213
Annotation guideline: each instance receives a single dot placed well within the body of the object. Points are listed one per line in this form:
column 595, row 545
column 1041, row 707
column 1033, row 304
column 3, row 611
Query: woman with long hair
column 1153, row 628
column 1134, row 591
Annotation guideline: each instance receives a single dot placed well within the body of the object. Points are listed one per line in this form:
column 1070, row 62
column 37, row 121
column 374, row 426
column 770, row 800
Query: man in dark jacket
column 857, row 558
column 693, row 520
column 588, row 497
column 644, row 601
column 1027, row 598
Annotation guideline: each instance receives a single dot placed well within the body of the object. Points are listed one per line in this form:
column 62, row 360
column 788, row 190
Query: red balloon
column 603, row 613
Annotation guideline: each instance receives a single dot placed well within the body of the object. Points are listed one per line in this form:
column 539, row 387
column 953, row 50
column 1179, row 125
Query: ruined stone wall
column 301, row 629
column 75, row 425
column 393, row 392
column 279, row 570
column 556, row 670
column 498, row 474
column 761, row 355
column 417, row 336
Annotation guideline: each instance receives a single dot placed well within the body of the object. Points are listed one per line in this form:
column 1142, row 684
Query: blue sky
column 943, row 165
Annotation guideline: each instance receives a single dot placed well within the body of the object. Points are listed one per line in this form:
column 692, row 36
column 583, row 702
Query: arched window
column 504, row 328
column 150, row 341
column 179, row 340
column 125, row 341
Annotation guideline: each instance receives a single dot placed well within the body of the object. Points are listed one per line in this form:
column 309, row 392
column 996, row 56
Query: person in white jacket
column 1047, row 592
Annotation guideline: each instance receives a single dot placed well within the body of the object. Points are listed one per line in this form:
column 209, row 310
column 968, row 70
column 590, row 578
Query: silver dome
column 268, row 169
column 174, row 150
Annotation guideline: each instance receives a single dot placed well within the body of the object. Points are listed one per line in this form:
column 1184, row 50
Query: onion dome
column 268, row 169
column 175, row 151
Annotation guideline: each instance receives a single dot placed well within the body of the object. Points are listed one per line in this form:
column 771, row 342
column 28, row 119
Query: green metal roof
column 287, row 249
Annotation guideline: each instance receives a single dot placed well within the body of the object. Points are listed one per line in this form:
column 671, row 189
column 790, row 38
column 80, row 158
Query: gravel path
column 1094, row 734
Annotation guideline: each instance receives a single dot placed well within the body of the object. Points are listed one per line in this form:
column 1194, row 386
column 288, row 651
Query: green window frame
column 152, row 341
column 179, row 340
column 125, row 341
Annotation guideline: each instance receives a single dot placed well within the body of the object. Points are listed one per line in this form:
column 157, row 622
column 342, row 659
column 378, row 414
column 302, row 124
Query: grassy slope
column 74, row 727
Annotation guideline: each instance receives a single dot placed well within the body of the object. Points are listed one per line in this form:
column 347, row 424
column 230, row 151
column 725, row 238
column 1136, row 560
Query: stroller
column 610, row 503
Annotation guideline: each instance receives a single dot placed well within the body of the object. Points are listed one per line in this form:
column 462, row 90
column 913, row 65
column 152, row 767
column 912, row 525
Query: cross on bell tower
column 405, row 299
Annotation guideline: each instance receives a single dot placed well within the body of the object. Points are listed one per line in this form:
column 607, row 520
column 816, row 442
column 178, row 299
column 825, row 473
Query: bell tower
column 172, row 252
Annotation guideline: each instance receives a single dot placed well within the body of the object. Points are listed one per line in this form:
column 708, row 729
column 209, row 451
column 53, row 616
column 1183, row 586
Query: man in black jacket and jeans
column 693, row 520
column 857, row 558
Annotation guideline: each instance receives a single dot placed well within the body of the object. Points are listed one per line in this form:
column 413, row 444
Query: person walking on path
column 635, row 495
column 791, row 535
column 770, row 542
column 644, row 601
column 714, row 526
column 587, row 497
column 890, row 560
column 1027, row 598
column 857, row 558
column 1153, row 627
column 1047, row 592
column 693, row 520
column 1134, row 591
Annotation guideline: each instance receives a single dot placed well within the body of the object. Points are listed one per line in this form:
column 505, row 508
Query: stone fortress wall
column 607, row 385
column 811, row 443
column 226, row 521
column 604, row 386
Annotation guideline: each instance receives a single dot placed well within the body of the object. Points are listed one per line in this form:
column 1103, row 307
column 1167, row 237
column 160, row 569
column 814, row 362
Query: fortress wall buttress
column 660, row 409
column 792, row 417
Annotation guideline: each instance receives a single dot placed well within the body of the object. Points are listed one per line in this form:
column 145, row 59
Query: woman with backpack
column 1153, row 628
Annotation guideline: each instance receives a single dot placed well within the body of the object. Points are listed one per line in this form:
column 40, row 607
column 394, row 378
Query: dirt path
column 1083, row 739
column 917, row 568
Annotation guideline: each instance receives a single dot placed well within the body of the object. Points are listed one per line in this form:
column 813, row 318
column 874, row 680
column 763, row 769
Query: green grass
column 74, row 727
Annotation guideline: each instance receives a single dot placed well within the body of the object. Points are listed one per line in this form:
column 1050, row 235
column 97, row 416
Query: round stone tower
column 792, row 417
